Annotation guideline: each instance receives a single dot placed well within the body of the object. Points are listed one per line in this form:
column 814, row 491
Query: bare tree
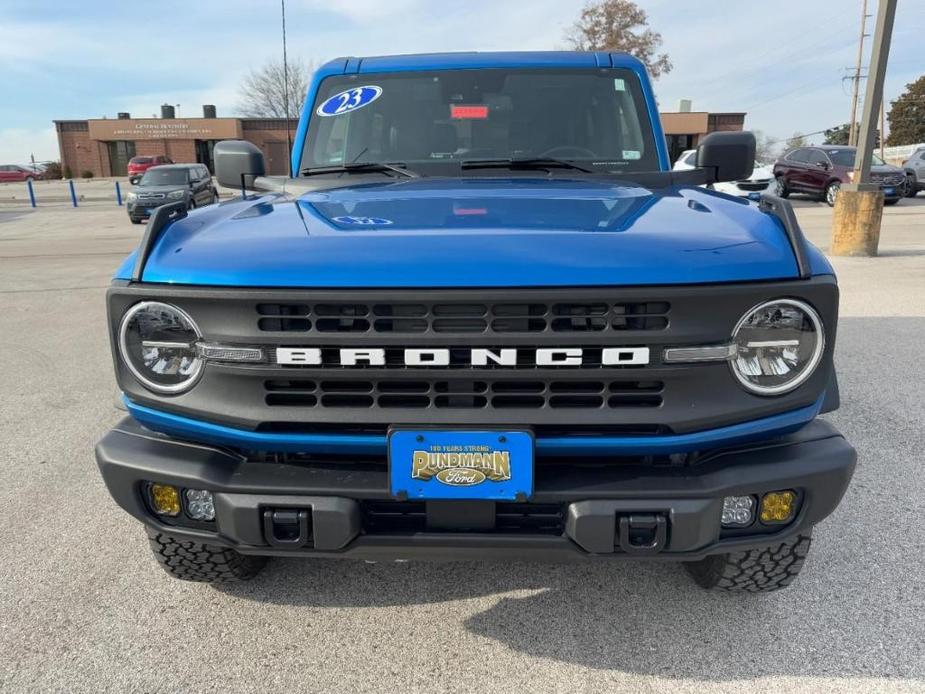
column 766, row 149
column 619, row 25
column 796, row 140
column 262, row 92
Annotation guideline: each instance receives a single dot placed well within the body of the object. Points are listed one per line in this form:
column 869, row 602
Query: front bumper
column 349, row 512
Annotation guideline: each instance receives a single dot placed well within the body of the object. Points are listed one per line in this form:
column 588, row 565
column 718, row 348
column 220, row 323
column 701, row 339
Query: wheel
column 135, row 221
column 910, row 187
column 29, row 179
column 193, row 561
column 191, row 205
column 755, row 571
column 831, row 193
column 891, row 202
column 780, row 188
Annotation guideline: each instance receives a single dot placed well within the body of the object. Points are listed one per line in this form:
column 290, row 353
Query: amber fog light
column 165, row 499
column 778, row 507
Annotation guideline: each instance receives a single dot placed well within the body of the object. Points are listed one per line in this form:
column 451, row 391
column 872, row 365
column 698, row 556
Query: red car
column 14, row 172
column 820, row 170
column 138, row 165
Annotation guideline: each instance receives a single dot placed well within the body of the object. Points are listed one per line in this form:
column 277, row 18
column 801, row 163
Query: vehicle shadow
column 636, row 617
column 855, row 610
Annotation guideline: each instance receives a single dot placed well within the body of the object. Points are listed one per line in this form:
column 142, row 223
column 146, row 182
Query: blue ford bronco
column 481, row 319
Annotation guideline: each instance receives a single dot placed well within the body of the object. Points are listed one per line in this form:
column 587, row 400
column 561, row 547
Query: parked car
column 138, row 165
column 516, row 342
column 14, row 172
column 189, row 183
column 914, row 167
column 752, row 187
column 821, row 171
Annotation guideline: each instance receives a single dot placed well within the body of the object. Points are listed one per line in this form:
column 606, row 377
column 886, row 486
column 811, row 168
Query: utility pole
column 859, row 205
column 852, row 127
column 286, row 87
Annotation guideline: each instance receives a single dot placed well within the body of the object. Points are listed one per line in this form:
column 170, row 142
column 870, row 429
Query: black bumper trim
column 815, row 460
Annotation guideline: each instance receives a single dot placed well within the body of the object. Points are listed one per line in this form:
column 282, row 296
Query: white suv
column 759, row 182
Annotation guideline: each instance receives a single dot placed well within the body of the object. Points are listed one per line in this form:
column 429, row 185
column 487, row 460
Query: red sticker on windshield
column 468, row 112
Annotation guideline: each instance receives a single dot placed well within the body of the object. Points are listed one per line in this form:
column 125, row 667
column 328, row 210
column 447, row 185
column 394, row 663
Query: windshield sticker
column 349, row 100
column 362, row 221
column 631, row 154
column 619, row 85
column 460, row 112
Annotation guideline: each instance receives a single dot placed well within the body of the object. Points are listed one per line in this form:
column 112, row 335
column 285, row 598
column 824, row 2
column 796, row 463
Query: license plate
column 889, row 191
column 492, row 465
column 754, row 196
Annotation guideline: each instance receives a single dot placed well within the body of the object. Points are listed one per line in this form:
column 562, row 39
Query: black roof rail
column 783, row 210
column 162, row 217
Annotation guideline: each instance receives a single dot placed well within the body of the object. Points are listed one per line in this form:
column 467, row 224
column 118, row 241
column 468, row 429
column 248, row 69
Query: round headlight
column 778, row 346
column 158, row 344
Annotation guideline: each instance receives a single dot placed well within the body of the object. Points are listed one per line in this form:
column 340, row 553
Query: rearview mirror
column 237, row 163
column 729, row 155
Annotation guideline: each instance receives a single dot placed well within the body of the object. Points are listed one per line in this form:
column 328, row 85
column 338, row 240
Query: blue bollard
column 73, row 193
column 118, row 195
column 31, row 193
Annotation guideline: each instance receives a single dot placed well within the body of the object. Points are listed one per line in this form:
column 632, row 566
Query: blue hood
column 486, row 232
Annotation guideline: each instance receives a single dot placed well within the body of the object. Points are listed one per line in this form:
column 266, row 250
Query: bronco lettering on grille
column 478, row 357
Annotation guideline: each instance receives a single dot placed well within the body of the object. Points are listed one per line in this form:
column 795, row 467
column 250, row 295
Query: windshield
column 845, row 157
column 165, row 177
column 140, row 160
column 434, row 119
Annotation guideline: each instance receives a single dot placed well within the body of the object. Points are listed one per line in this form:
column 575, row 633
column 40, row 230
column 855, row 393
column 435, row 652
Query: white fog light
column 738, row 511
column 199, row 505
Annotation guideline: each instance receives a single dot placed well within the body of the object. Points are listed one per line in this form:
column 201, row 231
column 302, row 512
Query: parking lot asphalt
column 84, row 608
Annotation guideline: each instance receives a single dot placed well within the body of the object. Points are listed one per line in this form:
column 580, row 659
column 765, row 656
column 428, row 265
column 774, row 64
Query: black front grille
column 391, row 517
column 462, row 318
column 752, row 185
column 586, row 399
column 463, row 394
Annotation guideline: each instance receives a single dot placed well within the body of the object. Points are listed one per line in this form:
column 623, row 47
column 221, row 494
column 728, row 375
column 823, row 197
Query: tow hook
column 643, row 533
column 287, row 527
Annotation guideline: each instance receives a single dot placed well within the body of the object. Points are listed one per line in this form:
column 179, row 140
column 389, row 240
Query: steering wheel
column 565, row 150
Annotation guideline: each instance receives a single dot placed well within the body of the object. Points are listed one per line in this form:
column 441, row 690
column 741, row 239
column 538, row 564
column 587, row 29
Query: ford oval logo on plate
column 349, row 100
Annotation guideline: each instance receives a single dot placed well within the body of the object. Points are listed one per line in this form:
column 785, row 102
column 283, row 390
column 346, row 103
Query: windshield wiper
column 364, row 167
column 524, row 163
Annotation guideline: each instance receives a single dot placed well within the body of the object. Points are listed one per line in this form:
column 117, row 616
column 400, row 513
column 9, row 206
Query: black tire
column 910, row 187
column 780, row 189
column 191, row 205
column 891, row 202
column 135, row 221
column 755, row 571
column 193, row 561
column 830, row 194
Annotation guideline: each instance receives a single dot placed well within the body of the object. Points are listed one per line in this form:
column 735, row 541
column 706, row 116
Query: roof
column 474, row 59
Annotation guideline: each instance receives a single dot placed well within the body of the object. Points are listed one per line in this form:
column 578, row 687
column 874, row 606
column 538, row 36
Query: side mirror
column 824, row 165
column 730, row 155
column 235, row 161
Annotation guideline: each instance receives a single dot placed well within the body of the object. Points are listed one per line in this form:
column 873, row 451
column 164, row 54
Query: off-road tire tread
column 194, row 561
column 754, row 571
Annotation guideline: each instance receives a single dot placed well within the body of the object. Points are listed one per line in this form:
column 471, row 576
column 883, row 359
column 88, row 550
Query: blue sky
column 782, row 62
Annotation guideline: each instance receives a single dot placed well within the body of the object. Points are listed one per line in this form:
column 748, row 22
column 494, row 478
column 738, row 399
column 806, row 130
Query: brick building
column 104, row 146
column 684, row 128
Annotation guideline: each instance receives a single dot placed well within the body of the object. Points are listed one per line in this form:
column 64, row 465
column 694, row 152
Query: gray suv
column 189, row 183
column 915, row 172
